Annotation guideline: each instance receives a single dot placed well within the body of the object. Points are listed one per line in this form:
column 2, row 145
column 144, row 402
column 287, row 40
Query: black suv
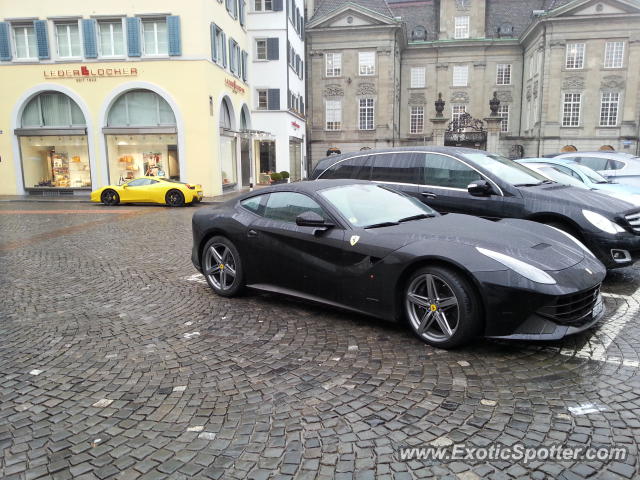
column 462, row 180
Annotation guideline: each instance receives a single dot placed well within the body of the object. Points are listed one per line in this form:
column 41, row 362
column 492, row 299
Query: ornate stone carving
column 612, row 81
column 366, row 89
column 417, row 99
column 557, row 44
column 463, row 4
column 535, row 89
column 333, row 90
column 573, row 82
column 459, row 97
column 479, row 64
column 528, row 94
column 442, row 66
column 505, row 96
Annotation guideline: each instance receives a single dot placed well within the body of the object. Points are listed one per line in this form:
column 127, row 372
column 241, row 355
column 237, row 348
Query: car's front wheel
column 222, row 267
column 442, row 307
column 110, row 197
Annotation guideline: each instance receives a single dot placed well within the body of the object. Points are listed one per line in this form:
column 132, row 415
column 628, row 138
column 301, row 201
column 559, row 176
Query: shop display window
column 55, row 162
column 132, row 156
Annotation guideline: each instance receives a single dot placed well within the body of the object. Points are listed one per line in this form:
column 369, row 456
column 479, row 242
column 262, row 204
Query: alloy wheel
column 174, row 198
column 220, row 266
column 109, row 197
column 433, row 308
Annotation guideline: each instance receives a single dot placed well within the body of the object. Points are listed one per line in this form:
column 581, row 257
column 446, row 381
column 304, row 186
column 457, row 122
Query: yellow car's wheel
column 110, row 197
column 174, row 198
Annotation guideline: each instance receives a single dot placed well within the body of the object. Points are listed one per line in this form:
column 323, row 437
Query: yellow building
column 96, row 93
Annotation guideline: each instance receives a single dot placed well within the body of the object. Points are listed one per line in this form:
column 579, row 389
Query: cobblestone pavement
column 117, row 361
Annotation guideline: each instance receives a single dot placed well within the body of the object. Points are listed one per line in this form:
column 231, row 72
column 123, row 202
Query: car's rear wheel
column 174, row 198
column 110, row 197
column 222, row 267
column 442, row 307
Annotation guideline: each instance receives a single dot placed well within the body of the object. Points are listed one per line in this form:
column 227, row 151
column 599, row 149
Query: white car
column 619, row 166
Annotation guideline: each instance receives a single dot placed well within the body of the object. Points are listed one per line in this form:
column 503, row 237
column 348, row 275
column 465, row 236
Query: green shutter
column 89, row 38
column 42, row 38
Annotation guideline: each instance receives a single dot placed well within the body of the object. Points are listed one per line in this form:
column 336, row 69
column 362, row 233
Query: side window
column 137, row 182
column 254, row 204
column 398, row 167
column 443, row 171
column 286, row 206
column 615, row 165
column 567, row 171
column 358, row 168
column 596, row 163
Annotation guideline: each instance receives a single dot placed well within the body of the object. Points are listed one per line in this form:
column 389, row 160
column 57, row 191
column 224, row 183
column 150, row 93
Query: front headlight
column 528, row 271
column 601, row 222
column 574, row 240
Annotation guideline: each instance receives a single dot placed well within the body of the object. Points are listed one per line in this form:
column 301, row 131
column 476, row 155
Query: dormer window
column 461, row 27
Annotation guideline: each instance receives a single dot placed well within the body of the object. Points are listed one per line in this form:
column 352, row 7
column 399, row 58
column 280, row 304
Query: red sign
column 295, row 125
column 89, row 72
column 234, row 86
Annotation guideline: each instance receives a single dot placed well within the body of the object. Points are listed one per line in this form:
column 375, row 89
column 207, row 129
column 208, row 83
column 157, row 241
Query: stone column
column 439, row 126
column 493, row 133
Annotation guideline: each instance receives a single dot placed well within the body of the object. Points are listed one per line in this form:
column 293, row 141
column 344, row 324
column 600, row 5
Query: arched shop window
column 142, row 137
column 228, row 146
column 53, row 144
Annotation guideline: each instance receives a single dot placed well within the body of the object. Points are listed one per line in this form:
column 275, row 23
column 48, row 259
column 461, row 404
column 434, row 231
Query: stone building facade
column 565, row 72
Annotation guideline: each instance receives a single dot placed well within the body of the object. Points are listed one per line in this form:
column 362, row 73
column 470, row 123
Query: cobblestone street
column 118, row 361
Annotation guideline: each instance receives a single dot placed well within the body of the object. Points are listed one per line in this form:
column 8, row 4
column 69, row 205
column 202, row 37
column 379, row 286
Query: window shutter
column 89, row 38
column 244, row 65
column 5, row 46
column 301, row 69
column 277, row 5
column 224, row 50
column 42, row 38
column 173, row 35
column 232, row 51
column 273, row 45
column 214, row 44
column 302, row 27
column 133, row 36
column 273, row 98
column 301, row 106
column 242, row 7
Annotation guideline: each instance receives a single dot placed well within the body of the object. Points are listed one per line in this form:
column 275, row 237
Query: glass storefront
column 228, row 161
column 135, row 154
column 53, row 143
column 51, row 161
column 132, row 156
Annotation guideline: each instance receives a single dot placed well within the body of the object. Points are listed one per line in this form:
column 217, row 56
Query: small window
column 333, row 114
column 263, row 5
column 575, row 56
column 398, row 168
column 254, row 204
column 614, row 55
column 286, row 206
column 443, row 171
column 111, row 38
column 460, row 75
column 263, row 99
column 461, row 27
column 416, row 120
column 333, row 64
column 155, row 36
column 68, row 39
column 503, row 112
column 261, row 49
column 24, row 40
column 367, row 63
column 503, row 74
column 418, row 77
column 358, row 168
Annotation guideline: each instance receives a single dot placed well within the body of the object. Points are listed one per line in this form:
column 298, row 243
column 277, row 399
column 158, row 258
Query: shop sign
column 295, row 125
column 234, row 86
column 88, row 74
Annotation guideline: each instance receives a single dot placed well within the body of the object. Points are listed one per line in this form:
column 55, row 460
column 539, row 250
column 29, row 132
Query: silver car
column 617, row 166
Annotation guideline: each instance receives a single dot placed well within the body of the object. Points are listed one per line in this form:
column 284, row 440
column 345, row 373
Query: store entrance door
column 245, row 162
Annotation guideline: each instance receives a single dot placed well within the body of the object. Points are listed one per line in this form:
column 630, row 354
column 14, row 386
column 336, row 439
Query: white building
column 276, row 32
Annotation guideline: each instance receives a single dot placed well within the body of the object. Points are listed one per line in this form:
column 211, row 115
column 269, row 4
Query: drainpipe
column 541, row 99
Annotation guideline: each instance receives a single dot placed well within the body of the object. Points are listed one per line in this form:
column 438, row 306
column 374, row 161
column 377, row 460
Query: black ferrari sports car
column 374, row 250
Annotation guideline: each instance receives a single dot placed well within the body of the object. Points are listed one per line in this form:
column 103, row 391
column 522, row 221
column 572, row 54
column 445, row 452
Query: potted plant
column 276, row 178
column 285, row 176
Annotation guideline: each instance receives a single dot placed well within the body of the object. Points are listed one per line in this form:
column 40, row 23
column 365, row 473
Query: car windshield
column 559, row 176
column 368, row 205
column 594, row 176
column 506, row 170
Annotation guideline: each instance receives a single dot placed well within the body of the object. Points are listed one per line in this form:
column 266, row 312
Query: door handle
column 252, row 234
column 428, row 194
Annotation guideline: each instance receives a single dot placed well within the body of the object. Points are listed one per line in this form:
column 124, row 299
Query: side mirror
column 124, row 185
column 480, row 188
column 312, row 219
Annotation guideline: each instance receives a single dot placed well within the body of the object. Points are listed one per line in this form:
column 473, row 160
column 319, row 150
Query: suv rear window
column 358, row 168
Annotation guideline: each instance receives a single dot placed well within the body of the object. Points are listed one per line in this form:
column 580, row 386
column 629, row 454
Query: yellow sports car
column 149, row 190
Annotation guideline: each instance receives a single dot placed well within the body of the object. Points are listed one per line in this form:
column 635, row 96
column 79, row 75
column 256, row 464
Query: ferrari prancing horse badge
column 354, row 240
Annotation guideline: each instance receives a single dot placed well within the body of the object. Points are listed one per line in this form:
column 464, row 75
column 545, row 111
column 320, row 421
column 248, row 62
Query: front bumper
column 602, row 246
column 518, row 308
